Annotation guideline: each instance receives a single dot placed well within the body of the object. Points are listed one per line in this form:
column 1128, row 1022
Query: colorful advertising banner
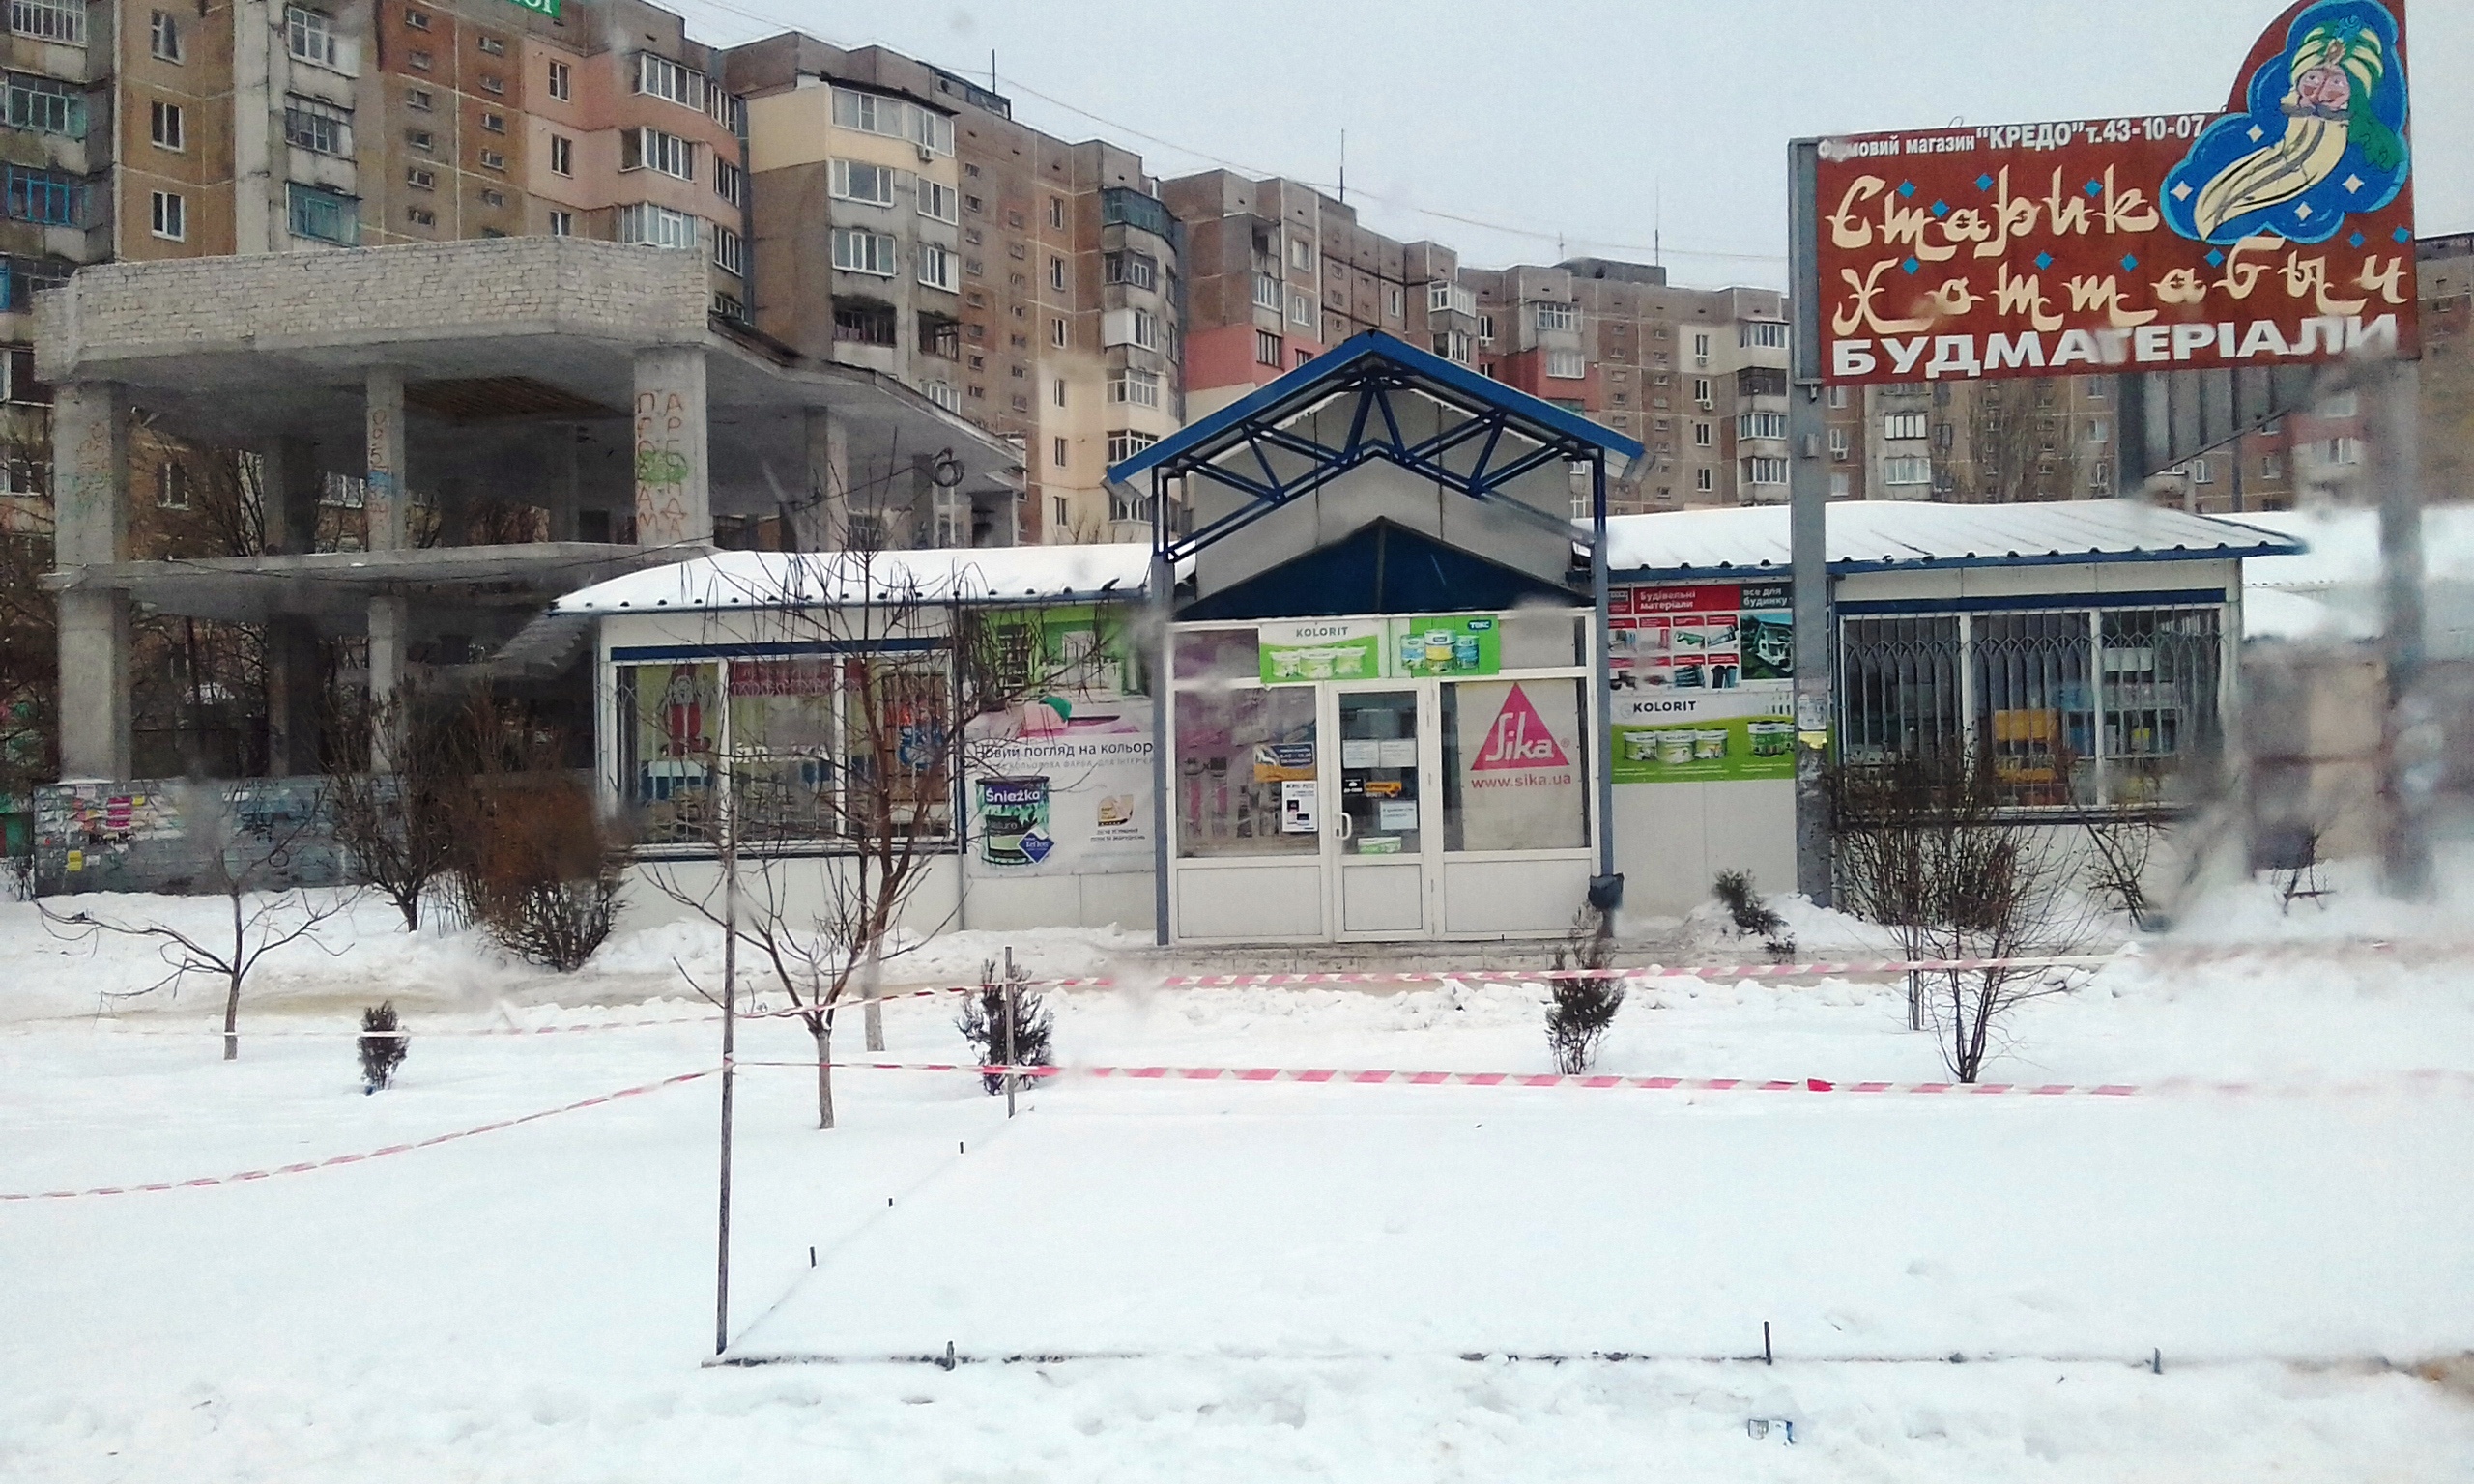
column 1074, row 799
column 1704, row 678
column 1452, row 645
column 1303, row 650
column 2279, row 231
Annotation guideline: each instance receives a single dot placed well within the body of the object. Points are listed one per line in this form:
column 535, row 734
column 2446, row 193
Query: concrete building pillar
column 90, row 494
column 820, row 519
column 293, row 699
column 389, row 703
column 565, row 484
column 673, row 475
column 291, row 485
column 383, row 423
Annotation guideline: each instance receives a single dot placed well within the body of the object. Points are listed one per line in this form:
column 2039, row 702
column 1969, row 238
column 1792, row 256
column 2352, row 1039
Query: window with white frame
column 1393, row 307
column 730, row 252
column 1842, row 484
column 317, row 126
column 1903, row 425
column 1056, row 272
column 1567, row 366
column 1133, row 270
column 852, row 180
column 938, row 202
column 562, row 81
column 1762, row 334
column 562, row 223
column 1838, row 444
column 563, row 154
column 1764, row 470
column 937, row 266
column 730, row 183
column 1907, row 471
column 1300, row 253
column 49, row 21
column 658, row 76
column 1301, row 308
column 644, row 224
column 1552, row 317
column 311, row 37
column 163, row 36
column 650, row 149
column 1267, row 348
column 1761, row 425
column 931, row 132
column 171, row 485
column 1124, row 443
column 944, row 395
column 855, row 251
column 1485, row 330
column 1700, row 390
column 1139, row 389
column 1701, row 345
column 870, row 113
column 2099, row 430
column 1443, row 294
column 46, row 105
column 1704, row 478
column 1705, row 435
column 1267, row 293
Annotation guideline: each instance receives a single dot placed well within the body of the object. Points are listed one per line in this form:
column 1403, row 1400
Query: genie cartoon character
column 2321, row 137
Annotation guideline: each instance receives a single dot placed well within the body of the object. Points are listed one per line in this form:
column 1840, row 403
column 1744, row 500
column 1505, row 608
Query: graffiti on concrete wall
column 180, row 837
column 665, row 467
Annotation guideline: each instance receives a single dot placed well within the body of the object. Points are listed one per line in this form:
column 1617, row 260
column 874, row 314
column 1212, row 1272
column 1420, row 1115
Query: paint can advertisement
column 1068, row 800
column 1014, row 822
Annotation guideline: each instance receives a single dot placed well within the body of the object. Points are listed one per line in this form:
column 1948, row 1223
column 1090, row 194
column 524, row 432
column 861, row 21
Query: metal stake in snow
column 1013, row 985
column 729, row 1045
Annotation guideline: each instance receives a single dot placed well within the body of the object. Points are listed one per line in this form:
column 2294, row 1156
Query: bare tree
column 536, row 861
column 1930, row 846
column 395, row 814
column 245, row 860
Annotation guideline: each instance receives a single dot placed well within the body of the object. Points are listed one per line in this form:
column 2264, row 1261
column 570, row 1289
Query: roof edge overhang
column 1765, row 570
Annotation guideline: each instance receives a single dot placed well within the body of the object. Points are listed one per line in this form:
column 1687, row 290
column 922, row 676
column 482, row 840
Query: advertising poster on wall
column 1704, row 682
column 1303, row 650
column 1076, row 799
column 1449, row 646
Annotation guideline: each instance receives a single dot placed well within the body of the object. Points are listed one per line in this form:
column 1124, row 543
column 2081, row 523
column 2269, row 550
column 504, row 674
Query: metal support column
column 1808, row 489
column 1609, row 894
column 1161, row 603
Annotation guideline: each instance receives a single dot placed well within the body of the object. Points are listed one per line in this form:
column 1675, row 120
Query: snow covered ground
column 1251, row 1281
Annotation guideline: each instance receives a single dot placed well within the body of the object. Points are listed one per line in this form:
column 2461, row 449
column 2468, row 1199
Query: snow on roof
column 1004, row 574
column 2331, row 591
column 1883, row 534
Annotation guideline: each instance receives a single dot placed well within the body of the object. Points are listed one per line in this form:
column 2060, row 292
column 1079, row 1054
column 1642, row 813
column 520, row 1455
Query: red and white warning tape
column 1329, row 1075
column 244, row 1176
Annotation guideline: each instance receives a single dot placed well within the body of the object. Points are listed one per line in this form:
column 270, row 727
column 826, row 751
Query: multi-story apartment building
column 1280, row 272
column 2045, row 437
column 1699, row 375
column 905, row 222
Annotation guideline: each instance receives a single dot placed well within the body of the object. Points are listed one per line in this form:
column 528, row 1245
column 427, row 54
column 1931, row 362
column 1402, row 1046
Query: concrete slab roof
column 339, row 584
column 1012, row 574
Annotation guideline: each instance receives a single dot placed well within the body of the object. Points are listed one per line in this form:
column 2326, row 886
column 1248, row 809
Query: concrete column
column 821, row 520
column 293, row 696
column 673, row 475
column 90, row 492
column 565, row 484
column 383, row 423
column 387, row 698
column 288, row 467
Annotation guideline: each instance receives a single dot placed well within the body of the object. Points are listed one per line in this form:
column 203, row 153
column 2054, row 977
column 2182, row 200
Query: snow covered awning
column 1887, row 535
column 988, row 575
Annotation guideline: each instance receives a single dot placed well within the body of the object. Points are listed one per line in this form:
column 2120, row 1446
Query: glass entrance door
column 1378, row 843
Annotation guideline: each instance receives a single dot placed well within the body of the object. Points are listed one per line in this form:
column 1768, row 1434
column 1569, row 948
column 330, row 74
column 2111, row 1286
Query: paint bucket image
column 1319, row 663
column 1348, row 662
column 1412, row 652
column 1284, row 662
column 1641, row 746
column 1710, row 744
column 1674, row 747
column 1770, row 740
column 1438, row 647
column 1013, row 820
column 1464, row 651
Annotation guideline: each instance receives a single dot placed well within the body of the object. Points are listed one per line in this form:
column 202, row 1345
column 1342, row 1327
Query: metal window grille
column 1898, row 687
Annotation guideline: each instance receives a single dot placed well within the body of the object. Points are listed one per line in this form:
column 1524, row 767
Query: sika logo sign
column 1518, row 740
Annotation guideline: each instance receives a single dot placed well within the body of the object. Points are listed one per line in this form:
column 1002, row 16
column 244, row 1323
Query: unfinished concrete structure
column 513, row 419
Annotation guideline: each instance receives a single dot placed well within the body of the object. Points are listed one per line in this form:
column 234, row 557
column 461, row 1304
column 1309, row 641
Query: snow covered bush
column 383, row 1045
column 1581, row 1007
column 984, row 1024
column 1753, row 915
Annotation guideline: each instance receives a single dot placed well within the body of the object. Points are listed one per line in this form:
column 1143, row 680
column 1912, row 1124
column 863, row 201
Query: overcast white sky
column 1600, row 122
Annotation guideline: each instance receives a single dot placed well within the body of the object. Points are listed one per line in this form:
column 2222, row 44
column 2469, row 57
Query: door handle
column 1343, row 827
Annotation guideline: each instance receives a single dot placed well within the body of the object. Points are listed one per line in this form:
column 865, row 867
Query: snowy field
column 1243, row 1282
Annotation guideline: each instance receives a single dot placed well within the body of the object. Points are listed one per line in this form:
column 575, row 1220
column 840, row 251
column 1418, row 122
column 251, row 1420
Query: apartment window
column 660, row 77
column 1763, row 334
column 49, row 21
column 2203, row 472
column 1301, row 309
column 49, row 198
column 1300, row 253
column 1133, row 270
column 420, row 216
column 420, row 98
column 416, row 20
column 171, row 486
column 1393, row 307
column 1700, row 390
column 2099, row 430
column 1700, row 344
column 1267, row 348
column 311, row 37
column 938, row 202
column 1124, row 443
column 419, row 179
column 317, row 126
column 1704, row 479
column 2344, row 450
column 936, row 267
column 730, row 253
column 649, row 149
column 1902, row 425
column 2100, row 477
column 1057, row 391
column 171, row 217
column 1133, row 327
column 48, row 105
column 491, row 45
column 2271, row 467
column 491, row 197
column 1136, row 389
column 421, row 139
column 1838, row 444
column 1056, row 272
column 496, row 87
column 1913, row 470
column 1267, row 293
column 164, row 125
column 562, row 81
column 1567, row 366
column 1704, row 434
column 869, row 113
column 164, row 37
column 562, row 223
column 1056, row 452
column 943, row 394
column 1302, row 355
column 1761, row 425
column 1555, row 316
column 418, row 61
column 863, row 252
column 864, row 324
column 1765, row 471
column 563, row 154
column 494, row 123
column 851, row 180
column 1944, row 436
column 1057, row 333
column 491, row 160
column 646, row 225
column 1057, row 210
column 730, row 182
column 324, row 216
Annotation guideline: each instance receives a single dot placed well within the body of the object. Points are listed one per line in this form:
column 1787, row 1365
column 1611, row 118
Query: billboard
column 2278, row 232
column 1704, row 682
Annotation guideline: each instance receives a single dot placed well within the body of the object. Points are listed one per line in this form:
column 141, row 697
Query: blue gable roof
column 1302, row 387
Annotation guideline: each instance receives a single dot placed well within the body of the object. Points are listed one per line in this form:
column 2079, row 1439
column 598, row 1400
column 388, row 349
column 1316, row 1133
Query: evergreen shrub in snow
column 383, row 1047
